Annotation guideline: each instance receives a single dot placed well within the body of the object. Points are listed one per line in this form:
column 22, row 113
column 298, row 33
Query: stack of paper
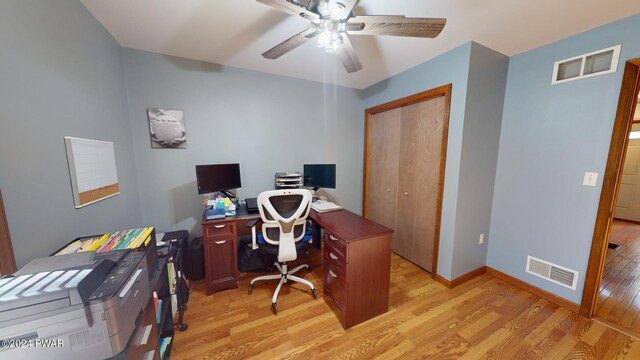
column 77, row 246
column 323, row 205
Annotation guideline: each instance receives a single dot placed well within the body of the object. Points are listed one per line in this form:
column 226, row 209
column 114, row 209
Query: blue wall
column 551, row 135
column 267, row 123
column 479, row 155
column 60, row 75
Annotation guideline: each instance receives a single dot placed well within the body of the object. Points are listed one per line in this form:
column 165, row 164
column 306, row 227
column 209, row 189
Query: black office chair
column 283, row 214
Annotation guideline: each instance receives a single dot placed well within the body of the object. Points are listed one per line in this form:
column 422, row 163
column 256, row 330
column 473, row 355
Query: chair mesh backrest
column 284, row 214
column 286, row 207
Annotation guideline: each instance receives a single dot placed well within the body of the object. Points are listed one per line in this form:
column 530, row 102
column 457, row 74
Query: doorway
column 608, row 269
column 619, row 292
column 628, row 201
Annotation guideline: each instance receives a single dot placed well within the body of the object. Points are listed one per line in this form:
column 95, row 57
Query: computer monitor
column 218, row 177
column 320, row 176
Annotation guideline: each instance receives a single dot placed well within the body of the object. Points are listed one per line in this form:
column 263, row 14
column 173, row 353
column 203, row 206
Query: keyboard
column 323, row 205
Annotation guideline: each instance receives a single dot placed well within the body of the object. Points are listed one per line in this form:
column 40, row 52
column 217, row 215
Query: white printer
column 77, row 306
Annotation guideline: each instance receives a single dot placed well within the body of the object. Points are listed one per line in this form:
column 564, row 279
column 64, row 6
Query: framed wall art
column 167, row 129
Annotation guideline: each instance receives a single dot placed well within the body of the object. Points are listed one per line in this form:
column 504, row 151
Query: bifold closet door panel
column 418, row 180
column 407, row 182
column 428, row 160
column 382, row 182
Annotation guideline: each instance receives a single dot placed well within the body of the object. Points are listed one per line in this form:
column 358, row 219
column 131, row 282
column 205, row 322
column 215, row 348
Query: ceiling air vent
column 599, row 62
column 552, row 272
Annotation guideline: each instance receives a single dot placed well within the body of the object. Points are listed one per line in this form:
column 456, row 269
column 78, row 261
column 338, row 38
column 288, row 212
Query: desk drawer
column 334, row 258
column 335, row 285
column 335, row 243
column 219, row 230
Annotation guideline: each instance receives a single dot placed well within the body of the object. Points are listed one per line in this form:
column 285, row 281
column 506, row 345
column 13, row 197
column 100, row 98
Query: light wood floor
column 483, row 318
column 619, row 298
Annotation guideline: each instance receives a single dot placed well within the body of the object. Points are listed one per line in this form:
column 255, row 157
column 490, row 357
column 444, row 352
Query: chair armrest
column 252, row 223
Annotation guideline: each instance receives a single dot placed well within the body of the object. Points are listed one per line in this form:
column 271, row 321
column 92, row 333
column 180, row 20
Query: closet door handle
column 406, row 194
column 332, row 274
column 333, row 256
column 220, row 242
column 388, row 190
column 219, row 226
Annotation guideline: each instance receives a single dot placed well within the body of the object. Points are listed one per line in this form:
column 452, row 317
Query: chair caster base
column 315, row 294
column 250, row 289
column 274, row 308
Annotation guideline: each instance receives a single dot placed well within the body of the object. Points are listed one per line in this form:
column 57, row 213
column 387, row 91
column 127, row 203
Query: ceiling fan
column 332, row 21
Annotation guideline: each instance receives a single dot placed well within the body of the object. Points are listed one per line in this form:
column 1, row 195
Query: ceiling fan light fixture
column 324, row 38
column 334, row 44
column 330, row 38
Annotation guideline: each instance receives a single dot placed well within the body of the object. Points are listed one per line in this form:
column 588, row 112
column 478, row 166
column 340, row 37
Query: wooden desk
column 357, row 260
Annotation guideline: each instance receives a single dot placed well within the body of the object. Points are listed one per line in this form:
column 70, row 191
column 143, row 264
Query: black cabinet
column 153, row 337
column 171, row 289
column 162, row 297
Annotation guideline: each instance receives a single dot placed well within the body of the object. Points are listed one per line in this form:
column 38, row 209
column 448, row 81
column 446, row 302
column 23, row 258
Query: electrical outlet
column 481, row 240
column 590, row 179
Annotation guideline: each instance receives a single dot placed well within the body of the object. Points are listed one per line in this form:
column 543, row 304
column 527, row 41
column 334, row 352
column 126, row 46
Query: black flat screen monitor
column 320, row 176
column 218, row 177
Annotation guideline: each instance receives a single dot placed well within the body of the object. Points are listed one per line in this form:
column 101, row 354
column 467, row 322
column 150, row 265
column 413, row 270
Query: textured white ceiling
column 237, row 32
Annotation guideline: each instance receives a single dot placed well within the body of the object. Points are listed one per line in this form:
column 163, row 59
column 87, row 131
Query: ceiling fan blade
column 290, row 44
column 348, row 56
column 292, row 8
column 398, row 26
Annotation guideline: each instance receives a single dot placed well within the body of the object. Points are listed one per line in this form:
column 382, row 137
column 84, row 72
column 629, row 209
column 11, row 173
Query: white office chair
column 284, row 214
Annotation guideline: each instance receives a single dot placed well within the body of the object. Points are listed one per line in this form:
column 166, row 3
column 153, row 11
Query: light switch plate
column 590, row 179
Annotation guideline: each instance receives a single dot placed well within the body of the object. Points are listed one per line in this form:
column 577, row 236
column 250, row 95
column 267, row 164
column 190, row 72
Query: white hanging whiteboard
column 92, row 168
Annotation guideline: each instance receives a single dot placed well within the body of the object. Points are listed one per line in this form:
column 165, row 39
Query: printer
column 76, row 306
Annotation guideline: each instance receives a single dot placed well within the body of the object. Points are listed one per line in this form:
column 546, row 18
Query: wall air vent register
column 596, row 63
column 552, row 272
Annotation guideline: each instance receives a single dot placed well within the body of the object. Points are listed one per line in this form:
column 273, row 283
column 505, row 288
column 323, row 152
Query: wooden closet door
column 7, row 261
column 407, row 183
column 418, row 180
column 382, row 182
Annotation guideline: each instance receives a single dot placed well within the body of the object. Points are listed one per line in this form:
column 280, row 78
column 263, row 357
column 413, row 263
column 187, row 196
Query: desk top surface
column 341, row 223
column 241, row 214
column 347, row 225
